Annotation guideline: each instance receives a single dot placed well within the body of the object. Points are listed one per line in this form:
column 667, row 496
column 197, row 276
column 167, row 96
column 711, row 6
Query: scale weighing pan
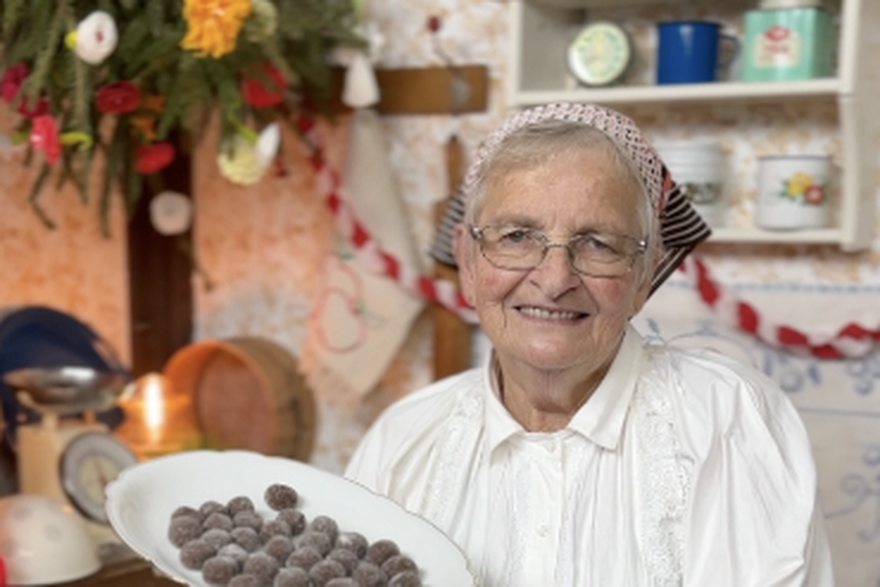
column 67, row 390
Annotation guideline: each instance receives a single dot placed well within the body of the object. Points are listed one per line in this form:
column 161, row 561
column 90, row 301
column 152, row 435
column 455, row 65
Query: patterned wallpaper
column 264, row 248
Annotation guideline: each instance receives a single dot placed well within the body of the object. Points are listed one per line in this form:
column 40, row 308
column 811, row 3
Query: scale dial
column 91, row 461
column 600, row 54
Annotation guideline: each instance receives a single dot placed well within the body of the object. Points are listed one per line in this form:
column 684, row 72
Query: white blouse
column 683, row 468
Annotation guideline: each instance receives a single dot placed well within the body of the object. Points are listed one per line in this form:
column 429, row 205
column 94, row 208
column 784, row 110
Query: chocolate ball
column 183, row 529
column 292, row 577
column 262, row 566
column 219, row 570
column 323, row 571
column 381, row 550
column 304, row 558
column 279, row 496
column 294, row 518
column 247, row 538
column 195, row 552
column 354, row 542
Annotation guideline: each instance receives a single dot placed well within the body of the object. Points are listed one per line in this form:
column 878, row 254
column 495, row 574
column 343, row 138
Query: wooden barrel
column 248, row 393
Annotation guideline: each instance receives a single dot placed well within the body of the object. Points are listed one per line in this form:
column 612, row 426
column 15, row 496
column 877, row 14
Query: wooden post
column 452, row 335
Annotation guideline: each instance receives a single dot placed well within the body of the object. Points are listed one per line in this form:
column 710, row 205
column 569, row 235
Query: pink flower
column 44, row 137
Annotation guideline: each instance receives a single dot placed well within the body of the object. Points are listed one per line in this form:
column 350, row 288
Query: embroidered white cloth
column 360, row 319
column 684, row 468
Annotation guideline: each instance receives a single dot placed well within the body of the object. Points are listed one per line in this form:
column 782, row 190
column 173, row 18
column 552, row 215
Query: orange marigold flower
column 213, row 25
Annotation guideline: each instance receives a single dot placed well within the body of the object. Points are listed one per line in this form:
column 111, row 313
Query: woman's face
column 552, row 318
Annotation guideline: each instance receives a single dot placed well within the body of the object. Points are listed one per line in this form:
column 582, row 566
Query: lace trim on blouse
column 665, row 481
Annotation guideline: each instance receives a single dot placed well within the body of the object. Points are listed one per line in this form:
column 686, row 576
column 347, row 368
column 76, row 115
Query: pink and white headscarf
column 681, row 228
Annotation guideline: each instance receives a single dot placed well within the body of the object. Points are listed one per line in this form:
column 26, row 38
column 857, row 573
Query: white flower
column 268, row 143
column 96, row 37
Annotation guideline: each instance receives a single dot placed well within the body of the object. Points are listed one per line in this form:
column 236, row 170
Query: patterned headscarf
column 681, row 228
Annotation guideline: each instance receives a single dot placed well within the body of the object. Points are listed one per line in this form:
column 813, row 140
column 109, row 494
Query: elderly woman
column 577, row 455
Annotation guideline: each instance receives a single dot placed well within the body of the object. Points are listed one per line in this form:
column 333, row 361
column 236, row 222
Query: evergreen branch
column 39, row 76
column 136, row 34
column 168, row 42
column 155, row 16
column 12, row 17
column 116, row 152
column 35, row 194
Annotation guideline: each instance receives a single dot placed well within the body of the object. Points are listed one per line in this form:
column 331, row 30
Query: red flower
column 815, row 195
column 154, row 157
column 258, row 95
column 44, row 137
column 777, row 33
column 118, row 98
column 13, row 79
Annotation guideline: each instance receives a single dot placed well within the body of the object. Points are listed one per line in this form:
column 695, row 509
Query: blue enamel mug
column 689, row 51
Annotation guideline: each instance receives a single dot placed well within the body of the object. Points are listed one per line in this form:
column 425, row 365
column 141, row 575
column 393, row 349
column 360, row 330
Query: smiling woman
column 576, row 441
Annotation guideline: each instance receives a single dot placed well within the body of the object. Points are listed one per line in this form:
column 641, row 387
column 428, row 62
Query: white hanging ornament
column 361, row 88
column 95, row 38
column 171, row 213
column 268, row 143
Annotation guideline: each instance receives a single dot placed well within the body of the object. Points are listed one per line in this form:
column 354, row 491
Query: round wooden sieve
column 248, row 394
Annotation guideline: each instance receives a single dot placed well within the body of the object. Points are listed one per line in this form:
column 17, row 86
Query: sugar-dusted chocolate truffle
column 218, row 520
column 317, row 540
column 244, row 580
column 262, row 566
column 247, row 538
column 406, row 579
column 292, row 577
column 239, row 503
column 322, row 572
column 325, row 524
column 279, row 496
column 186, row 510
column 279, row 547
column 219, row 570
column 217, row 538
column 195, row 552
column 275, row 528
column 294, row 518
column 183, row 529
column 342, row 582
column 304, row 557
column 353, row 541
column 397, row 564
column 369, row 575
column 381, row 550
column 212, row 507
column 235, row 552
column 347, row 558
column 246, row 519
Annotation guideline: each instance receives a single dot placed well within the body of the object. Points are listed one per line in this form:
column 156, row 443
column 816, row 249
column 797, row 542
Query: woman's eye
column 593, row 242
column 516, row 235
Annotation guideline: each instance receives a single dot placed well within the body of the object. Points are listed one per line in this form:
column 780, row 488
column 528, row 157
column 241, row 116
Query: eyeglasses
column 597, row 254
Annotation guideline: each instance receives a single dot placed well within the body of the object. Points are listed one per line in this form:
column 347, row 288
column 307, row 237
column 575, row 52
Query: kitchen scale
column 67, row 454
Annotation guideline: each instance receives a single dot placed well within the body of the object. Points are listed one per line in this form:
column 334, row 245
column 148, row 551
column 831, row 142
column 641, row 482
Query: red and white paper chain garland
column 371, row 253
column 850, row 340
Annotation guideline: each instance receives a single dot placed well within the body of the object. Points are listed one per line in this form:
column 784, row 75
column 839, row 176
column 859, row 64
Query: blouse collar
column 600, row 419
